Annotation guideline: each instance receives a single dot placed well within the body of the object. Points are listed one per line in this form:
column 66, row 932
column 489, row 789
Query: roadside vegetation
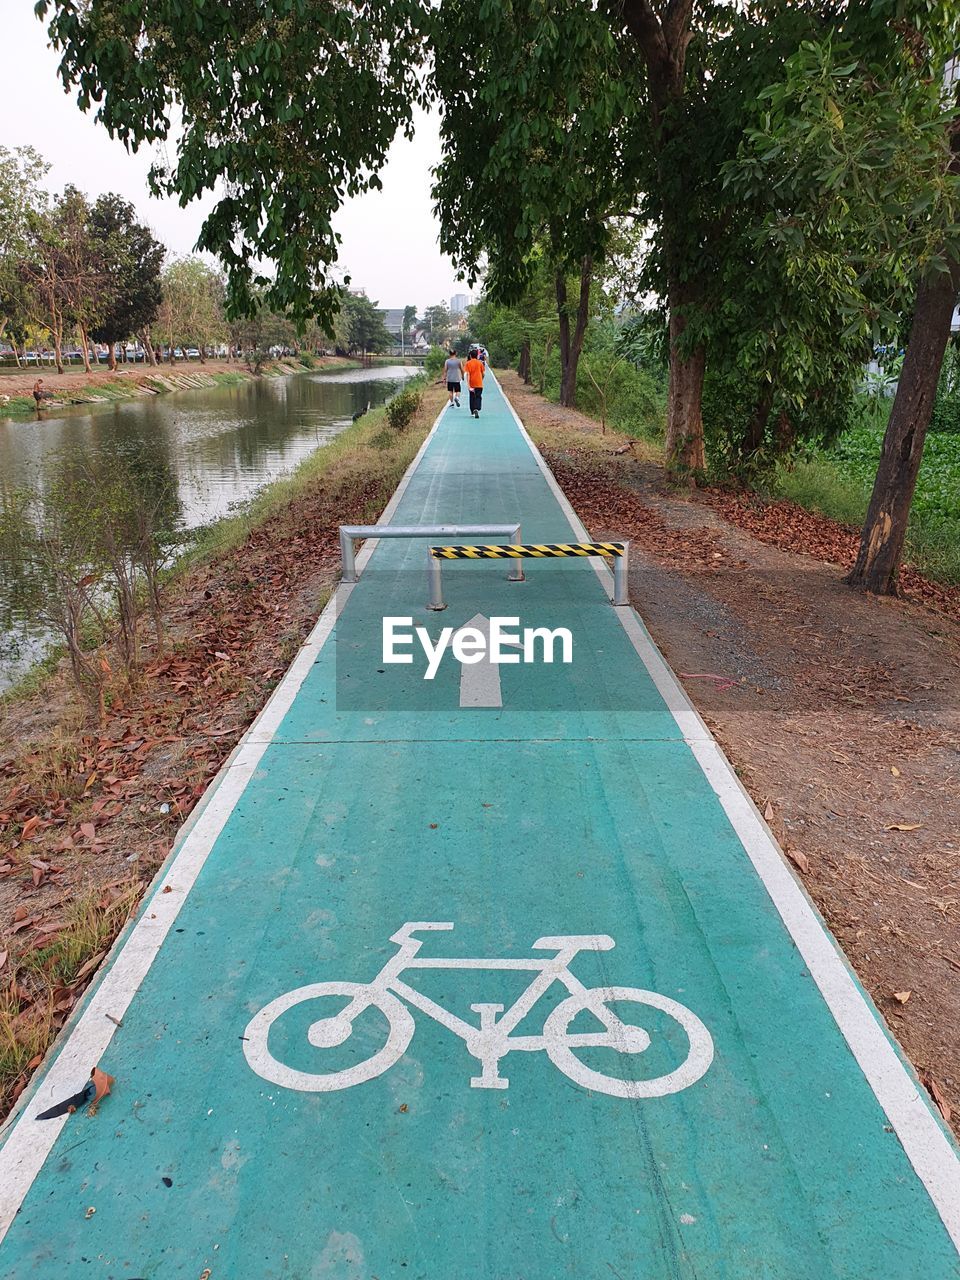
column 105, row 751
column 828, row 466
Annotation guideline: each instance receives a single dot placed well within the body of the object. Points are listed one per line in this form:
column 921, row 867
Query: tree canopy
column 284, row 109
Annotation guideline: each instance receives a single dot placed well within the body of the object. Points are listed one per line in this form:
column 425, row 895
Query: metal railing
column 350, row 532
column 618, row 552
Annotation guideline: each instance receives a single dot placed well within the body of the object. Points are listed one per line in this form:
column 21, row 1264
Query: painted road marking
column 784, row 1158
column 494, row 1038
column 480, row 680
column 931, row 1151
column 89, row 1032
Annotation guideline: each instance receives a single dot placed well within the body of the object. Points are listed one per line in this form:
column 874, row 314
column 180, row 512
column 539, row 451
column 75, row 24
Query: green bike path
column 713, row 1096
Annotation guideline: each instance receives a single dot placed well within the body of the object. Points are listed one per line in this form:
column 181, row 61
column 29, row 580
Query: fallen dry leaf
column 102, row 1083
column 937, row 1094
column 768, row 812
column 88, row 966
column 89, row 830
column 904, row 826
column 799, row 859
column 895, row 771
column 902, row 996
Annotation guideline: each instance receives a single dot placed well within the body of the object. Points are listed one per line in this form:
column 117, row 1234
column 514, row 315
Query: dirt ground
column 839, row 711
column 88, row 812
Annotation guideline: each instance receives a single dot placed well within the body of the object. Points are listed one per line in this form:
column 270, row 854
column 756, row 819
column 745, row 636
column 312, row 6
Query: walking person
column 38, row 393
column 453, row 371
column 474, row 368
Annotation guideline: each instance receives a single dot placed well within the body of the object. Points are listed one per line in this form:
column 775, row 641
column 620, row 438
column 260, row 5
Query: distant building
column 393, row 322
column 459, row 303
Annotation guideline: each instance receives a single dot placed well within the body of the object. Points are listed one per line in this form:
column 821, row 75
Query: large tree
column 133, row 260
column 366, row 330
column 283, row 110
column 22, row 200
column 873, row 194
column 191, row 307
column 547, row 113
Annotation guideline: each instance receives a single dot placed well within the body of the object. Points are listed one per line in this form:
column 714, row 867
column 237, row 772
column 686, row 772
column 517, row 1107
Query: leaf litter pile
column 839, row 711
column 89, row 811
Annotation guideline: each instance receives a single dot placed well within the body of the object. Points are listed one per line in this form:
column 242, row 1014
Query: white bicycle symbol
column 492, row 1040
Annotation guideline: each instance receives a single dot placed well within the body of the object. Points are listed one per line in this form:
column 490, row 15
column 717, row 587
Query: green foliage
column 938, row 484
column 437, row 320
column 837, row 482
column 365, row 330
column 132, row 260
column 22, row 201
column 544, row 114
column 946, row 409
column 282, row 111
column 307, row 360
column 434, row 360
column 403, row 406
column 191, row 308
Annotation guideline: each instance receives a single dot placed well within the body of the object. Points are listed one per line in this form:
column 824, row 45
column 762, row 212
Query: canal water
column 208, row 451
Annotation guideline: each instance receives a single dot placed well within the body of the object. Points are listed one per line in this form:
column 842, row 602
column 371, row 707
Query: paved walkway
column 372, row 1023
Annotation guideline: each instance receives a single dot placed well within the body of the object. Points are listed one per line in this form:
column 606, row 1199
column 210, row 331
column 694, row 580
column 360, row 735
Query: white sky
column 389, row 238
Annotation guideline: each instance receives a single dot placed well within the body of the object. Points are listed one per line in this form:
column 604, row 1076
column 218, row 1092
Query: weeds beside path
column 839, row 711
column 88, row 813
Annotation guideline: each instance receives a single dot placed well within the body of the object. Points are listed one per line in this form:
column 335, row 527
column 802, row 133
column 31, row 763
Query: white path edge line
column 931, row 1152
column 27, row 1144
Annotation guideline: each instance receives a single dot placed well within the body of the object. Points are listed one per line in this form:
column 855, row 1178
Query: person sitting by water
column 453, row 371
column 474, row 369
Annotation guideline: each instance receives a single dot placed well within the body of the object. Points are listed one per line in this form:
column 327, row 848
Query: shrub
column 307, row 360
column 403, row 406
column 434, row 360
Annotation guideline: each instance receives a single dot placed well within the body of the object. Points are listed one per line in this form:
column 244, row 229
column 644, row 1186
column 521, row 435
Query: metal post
column 516, row 573
column 435, row 578
column 621, row 573
column 350, row 531
column 347, row 558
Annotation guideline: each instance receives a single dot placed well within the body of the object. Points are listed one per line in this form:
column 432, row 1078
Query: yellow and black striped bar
column 539, row 551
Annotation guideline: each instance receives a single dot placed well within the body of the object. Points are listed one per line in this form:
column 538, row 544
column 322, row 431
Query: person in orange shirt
column 474, row 371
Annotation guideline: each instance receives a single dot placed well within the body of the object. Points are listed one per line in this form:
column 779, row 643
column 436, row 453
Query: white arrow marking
column 480, row 681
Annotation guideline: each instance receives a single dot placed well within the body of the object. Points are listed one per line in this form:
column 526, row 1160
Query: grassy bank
column 837, row 482
column 88, row 811
column 99, row 387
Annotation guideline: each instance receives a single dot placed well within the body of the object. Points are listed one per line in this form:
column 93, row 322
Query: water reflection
column 194, row 455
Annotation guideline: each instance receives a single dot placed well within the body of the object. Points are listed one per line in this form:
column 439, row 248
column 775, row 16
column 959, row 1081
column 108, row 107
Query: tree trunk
column 147, row 343
column 111, row 357
column 85, row 348
column 885, row 528
column 572, row 346
column 523, row 368
column 756, row 429
column 58, row 351
column 684, row 444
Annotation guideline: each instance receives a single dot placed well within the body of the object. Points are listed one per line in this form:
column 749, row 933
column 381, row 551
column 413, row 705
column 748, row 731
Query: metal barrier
column 349, row 532
column 618, row 552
